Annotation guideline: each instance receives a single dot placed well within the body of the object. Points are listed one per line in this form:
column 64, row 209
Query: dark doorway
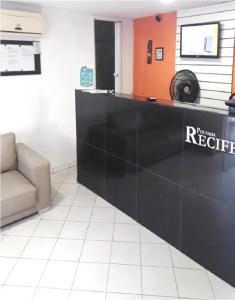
column 105, row 54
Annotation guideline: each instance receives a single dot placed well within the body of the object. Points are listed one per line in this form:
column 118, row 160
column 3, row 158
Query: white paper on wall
column 3, row 61
column 16, row 58
column 12, row 58
column 27, row 58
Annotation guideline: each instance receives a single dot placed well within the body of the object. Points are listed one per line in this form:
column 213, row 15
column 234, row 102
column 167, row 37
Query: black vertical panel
column 105, row 54
column 202, row 167
column 229, row 163
column 121, row 128
column 130, row 153
column 90, row 118
column 159, row 206
column 208, row 234
column 160, row 140
column 91, row 168
column 121, row 184
column 97, row 112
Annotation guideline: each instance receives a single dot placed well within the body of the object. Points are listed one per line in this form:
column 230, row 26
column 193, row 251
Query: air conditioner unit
column 20, row 23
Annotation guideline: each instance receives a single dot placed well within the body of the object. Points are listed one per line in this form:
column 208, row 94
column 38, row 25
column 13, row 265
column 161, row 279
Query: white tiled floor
column 85, row 249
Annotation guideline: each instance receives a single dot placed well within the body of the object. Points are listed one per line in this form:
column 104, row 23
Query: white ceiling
column 121, row 8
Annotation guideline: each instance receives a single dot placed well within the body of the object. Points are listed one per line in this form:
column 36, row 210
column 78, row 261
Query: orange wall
column 154, row 79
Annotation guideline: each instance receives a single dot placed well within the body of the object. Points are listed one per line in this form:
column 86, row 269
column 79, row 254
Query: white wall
column 40, row 109
column 214, row 75
column 127, row 56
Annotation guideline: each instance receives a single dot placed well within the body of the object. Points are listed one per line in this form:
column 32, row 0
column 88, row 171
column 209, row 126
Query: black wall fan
column 184, row 86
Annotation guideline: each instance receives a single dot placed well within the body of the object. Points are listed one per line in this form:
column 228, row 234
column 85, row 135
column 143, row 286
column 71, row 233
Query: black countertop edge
column 168, row 103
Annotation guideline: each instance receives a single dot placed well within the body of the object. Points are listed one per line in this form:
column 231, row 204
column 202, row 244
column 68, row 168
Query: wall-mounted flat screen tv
column 200, row 40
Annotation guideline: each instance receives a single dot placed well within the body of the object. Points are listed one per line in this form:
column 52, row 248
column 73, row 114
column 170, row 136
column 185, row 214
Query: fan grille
column 184, row 86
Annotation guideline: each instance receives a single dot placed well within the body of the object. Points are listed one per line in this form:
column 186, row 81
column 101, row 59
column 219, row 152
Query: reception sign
column 208, row 139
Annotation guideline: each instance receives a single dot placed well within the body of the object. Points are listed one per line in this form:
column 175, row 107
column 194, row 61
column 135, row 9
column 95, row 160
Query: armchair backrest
column 8, row 157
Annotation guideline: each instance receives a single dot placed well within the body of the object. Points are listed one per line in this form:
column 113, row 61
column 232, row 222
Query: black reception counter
column 171, row 167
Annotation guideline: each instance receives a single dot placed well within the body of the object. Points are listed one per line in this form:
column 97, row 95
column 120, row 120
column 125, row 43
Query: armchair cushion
column 7, row 152
column 17, row 194
column 37, row 170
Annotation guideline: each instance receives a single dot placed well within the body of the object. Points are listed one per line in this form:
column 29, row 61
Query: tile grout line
column 110, row 256
column 141, row 266
column 173, row 268
column 49, row 258
column 60, row 183
column 210, row 283
column 98, row 262
column 118, row 241
column 79, row 260
column 117, row 293
column 85, row 239
column 29, row 238
column 19, row 257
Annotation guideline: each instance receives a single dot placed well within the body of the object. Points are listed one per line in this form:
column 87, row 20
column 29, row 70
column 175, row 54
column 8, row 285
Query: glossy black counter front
column 135, row 155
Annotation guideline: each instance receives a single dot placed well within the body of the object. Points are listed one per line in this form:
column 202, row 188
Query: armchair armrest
column 37, row 170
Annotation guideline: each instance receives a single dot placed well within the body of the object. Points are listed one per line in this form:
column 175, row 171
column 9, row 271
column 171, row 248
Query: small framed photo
column 159, row 53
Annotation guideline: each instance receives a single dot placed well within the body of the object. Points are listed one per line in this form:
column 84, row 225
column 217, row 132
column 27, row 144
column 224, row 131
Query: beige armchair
column 24, row 181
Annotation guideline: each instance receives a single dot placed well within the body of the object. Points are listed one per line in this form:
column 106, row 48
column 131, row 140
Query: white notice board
column 18, row 58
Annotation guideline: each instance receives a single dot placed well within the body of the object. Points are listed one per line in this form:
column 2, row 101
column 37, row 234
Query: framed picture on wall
column 159, row 53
